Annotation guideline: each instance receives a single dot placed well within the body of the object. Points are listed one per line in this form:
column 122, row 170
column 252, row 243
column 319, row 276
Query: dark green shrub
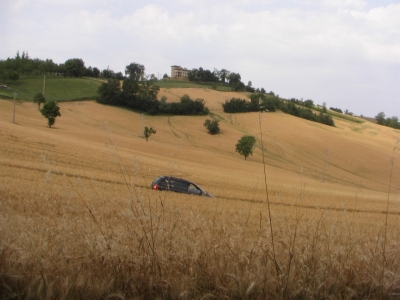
column 212, row 126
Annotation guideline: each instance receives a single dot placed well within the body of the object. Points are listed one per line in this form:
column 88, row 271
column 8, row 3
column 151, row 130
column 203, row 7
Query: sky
column 345, row 53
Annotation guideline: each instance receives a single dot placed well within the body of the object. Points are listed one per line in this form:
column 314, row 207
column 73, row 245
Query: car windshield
column 193, row 189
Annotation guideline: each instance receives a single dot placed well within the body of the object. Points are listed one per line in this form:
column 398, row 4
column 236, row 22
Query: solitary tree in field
column 212, row 126
column 39, row 99
column 148, row 132
column 50, row 111
column 245, row 145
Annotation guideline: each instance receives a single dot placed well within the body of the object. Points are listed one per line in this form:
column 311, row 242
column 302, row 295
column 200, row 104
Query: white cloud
column 16, row 6
column 345, row 4
column 304, row 48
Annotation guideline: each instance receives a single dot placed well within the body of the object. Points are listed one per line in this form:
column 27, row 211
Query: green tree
column 50, row 111
column 39, row 99
column 380, row 118
column 96, row 72
column 245, row 145
column 107, row 73
column 212, row 126
column 75, row 67
column 148, row 132
column 152, row 77
column 135, row 73
column 309, row 103
column 147, row 90
column 223, row 75
column 13, row 75
column 236, row 105
column 393, row 122
column 109, row 93
column 234, row 80
column 164, row 107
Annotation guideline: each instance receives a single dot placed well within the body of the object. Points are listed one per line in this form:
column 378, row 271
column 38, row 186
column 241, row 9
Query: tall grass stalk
column 293, row 240
column 146, row 223
column 384, row 262
column 278, row 271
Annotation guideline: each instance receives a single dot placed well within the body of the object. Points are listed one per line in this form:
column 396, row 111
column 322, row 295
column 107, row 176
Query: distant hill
column 350, row 155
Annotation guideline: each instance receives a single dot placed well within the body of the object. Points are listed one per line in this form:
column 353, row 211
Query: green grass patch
column 340, row 115
column 57, row 89
column 345, row 117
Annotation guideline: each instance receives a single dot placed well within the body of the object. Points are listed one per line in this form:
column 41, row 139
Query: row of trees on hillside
column 11, row 68
column 390, row 122
column 139, row 92
column 263, row 102
column 223, row 76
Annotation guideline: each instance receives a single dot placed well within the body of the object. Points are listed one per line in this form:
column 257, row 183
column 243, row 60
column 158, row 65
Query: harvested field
column 77, row 219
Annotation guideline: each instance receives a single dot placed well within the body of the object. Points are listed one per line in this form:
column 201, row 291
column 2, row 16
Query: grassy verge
column 57, row 89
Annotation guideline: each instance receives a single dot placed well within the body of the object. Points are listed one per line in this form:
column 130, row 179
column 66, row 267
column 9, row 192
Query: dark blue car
column 179, row 185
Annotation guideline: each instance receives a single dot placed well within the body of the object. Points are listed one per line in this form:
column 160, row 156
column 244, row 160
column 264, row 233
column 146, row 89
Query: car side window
column 178, row 185
column 192, row 189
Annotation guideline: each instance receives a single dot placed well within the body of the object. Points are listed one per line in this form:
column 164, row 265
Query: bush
column 110, row 93
column 338, row 110
column 212, row 126
column 50, row 111
column 235, row 105
column 146, row 100
column 188, row 106
column 258, row 102
column 148, row 132
column 306, row 113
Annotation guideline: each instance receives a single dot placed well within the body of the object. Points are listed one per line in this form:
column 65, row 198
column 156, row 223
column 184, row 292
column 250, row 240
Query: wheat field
column 318, row 220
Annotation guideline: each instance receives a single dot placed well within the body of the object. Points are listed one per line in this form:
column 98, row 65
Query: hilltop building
column 179, row 72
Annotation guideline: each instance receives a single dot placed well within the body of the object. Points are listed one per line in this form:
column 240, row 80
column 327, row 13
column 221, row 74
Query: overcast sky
column 345, row 53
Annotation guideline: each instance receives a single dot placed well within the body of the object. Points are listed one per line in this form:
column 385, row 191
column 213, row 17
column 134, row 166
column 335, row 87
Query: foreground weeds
column 75, row 242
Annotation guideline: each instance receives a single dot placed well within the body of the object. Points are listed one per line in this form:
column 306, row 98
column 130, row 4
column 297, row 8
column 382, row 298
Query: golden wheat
column 77, row 219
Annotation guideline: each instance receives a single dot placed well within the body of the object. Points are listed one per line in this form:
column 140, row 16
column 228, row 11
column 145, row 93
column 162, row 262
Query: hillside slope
column 87, row 140
column 79, row 221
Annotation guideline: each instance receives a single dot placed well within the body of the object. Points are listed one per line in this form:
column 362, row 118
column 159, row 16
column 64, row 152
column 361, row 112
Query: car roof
column 176, row 178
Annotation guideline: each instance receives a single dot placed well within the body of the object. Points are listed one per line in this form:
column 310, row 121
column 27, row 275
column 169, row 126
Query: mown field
column 72, row 89
column 313, row 213
column 55, row 88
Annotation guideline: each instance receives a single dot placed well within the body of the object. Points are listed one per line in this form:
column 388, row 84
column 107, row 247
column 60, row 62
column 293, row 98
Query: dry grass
column 77, row 219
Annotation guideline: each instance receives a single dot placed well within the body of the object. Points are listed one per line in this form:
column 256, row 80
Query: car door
column 178, row 185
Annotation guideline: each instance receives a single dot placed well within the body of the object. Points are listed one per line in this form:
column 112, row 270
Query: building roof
column 179, row 68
